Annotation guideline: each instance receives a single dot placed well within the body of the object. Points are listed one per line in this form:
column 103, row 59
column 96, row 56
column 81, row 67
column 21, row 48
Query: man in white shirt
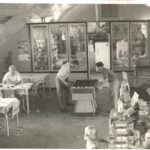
column 62, row 85
column 12, row 77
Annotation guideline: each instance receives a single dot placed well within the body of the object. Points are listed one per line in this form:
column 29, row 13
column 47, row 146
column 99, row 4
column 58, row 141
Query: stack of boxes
column 122, row 120
column 144, row 110
column 123, row 136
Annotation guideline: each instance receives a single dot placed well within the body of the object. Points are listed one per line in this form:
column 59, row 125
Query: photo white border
column 79, row 1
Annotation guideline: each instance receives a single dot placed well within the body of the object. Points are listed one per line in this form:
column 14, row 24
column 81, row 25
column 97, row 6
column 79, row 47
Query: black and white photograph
column 75, row 74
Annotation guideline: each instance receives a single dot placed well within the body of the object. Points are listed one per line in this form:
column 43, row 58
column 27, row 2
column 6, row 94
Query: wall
column 123, row 12
column 22, row 35
column 10, row 34
column 139, row 12
column 79, row 13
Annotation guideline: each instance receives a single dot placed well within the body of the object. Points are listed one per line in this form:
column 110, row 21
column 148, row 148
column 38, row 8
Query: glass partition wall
column 129, row 42
column 139, row 42
column 77, row 44
column 59, row 42
column 53, row 43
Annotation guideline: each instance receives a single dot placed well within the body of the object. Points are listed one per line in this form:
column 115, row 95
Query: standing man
column 12, row 77
column 62, row 85
column 110, row 76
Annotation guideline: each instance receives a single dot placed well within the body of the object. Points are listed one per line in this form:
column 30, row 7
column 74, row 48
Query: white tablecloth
column 7, row 103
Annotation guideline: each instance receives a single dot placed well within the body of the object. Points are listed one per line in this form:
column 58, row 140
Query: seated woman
column 12, row 77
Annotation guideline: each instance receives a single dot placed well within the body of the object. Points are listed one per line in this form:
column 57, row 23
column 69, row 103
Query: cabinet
column 55, row 42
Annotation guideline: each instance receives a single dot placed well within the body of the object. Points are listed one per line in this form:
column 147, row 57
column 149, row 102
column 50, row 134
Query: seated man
column 12, row 77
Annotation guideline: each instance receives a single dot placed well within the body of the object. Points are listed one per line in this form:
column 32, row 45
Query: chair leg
column 50, row 90
column 7, row 124
column 23, row 104
column 34, row 101
column 17, row 119
column 4, row 119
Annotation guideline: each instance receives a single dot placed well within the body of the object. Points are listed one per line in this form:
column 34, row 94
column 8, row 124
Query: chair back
column 8, row 93
column 26, row 80
column 35, row 88
column 47, row 82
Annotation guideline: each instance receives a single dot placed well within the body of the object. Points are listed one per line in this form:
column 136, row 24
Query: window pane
column 98, row 36
column 78, row 54
column 98, row 27
column 119, row 45
column 58, row 44
column 39, row 48
column 139, row 46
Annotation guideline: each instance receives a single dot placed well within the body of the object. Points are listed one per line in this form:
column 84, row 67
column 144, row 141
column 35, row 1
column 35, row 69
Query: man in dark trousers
column 62, row 85
column 111, row 77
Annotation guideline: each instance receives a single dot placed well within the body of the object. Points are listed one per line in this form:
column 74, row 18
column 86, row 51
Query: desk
column 19, row 88
column 5, row 105
column 36, row 77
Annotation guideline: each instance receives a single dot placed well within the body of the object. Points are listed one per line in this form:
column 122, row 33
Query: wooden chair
column 8, row 93
column 35, row 93
column 47, row 85
column 20, row 94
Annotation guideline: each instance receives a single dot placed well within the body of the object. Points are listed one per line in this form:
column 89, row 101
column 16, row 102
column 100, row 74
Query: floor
column 50, row 128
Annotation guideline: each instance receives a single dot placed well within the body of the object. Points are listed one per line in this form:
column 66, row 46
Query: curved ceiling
column 55, row 12
column 13, row 17
column 29, row 11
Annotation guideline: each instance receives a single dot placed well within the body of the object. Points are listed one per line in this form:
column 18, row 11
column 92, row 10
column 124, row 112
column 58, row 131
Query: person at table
column 110, row 77
column 12, row 76
column 62, row 85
